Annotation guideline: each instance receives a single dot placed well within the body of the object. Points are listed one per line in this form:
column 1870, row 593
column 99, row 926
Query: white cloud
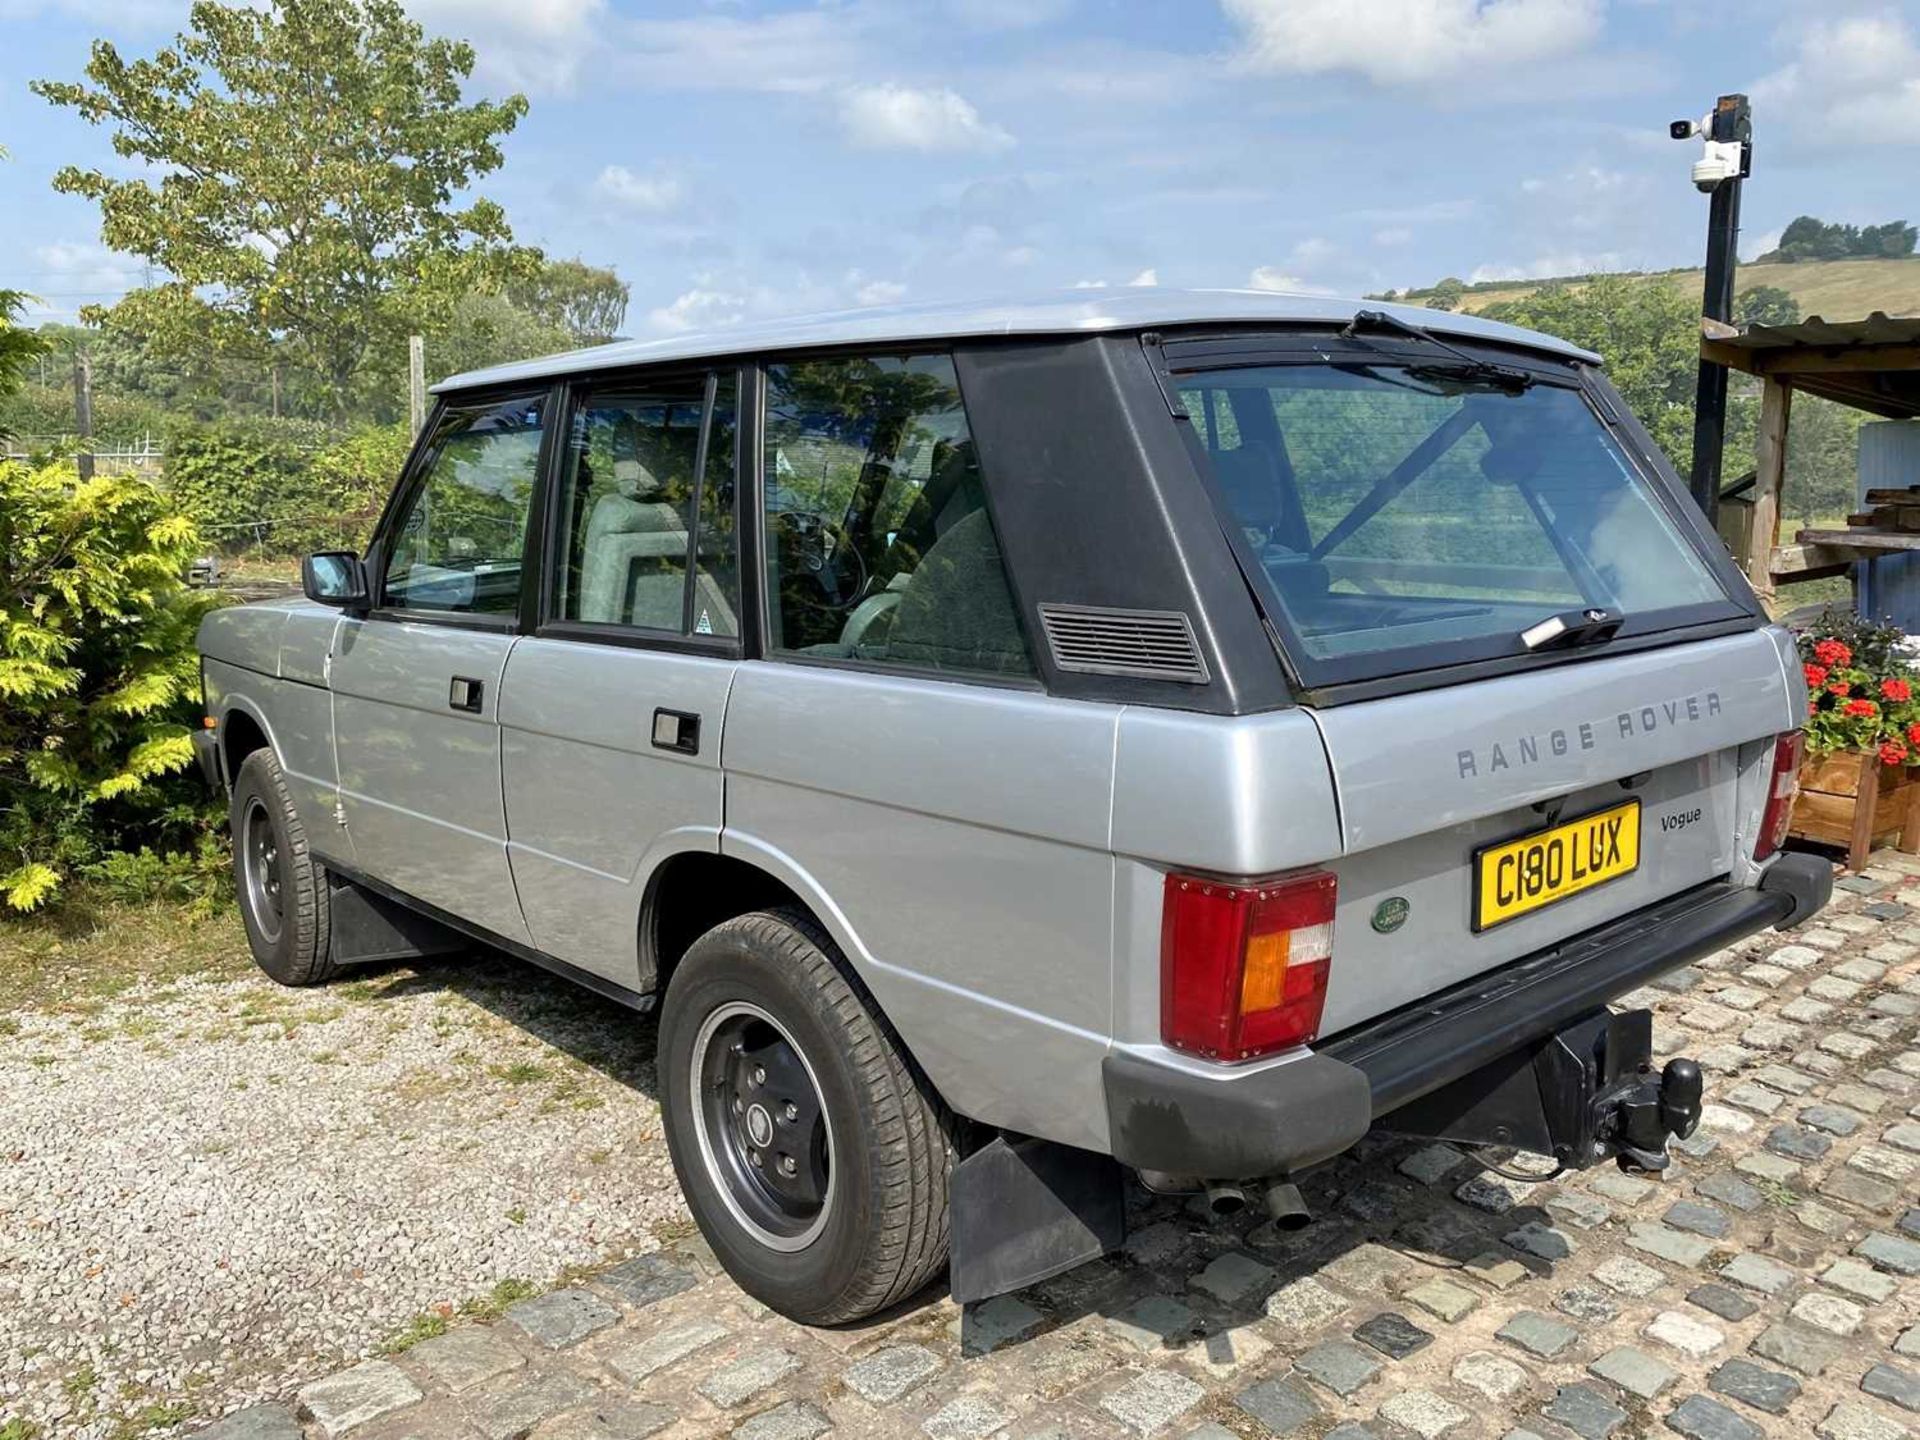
column 1272, row 277
column 699, row 309
column 68, row 274
column 1851, row 80
column 654, row 194
column 532, row 45
column 1306, row 269
column 899, row 117
column 880, row 292
column 1146, row 278
column 1399, row 42
column 1545, row 267
column 794, row 51
column 1393, row 235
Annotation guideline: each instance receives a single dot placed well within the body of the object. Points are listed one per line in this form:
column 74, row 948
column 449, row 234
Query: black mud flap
column 366, row 928
column 1584, row 1094
column 1025, row 1210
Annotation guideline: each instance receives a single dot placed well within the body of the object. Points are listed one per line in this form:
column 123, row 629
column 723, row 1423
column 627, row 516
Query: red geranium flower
column 1913, row 734
column 1839, row 687
column 1832, row 652
column 1893, row 752
column 1816, row 675
column 1862, row 707
column 1895, row 690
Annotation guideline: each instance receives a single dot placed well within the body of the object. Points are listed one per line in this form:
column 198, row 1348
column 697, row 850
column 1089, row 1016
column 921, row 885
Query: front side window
column 879, row 545
column 648, row 478
column 458, row 548
column 1404, row 519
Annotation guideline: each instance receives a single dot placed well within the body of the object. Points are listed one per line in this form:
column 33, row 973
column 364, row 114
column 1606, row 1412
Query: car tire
column 763, row 994
column 281, row 889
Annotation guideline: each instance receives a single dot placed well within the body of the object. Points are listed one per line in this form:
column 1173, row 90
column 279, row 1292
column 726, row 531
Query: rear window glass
column 1394, row 512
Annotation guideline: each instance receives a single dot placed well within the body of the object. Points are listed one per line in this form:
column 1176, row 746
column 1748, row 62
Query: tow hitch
column 1586, row 1092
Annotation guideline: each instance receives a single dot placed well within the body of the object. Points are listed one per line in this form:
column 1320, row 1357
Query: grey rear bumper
column 1284, row 1118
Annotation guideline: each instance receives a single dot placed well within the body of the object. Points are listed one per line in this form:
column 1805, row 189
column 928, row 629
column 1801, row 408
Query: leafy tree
column 19, row 347
column 297, row 167
column 1446, row 295
column 1649, row 335
column 98, row 674
column 1809, row 238
column 1766, row 305
column 492, row 330
column 589, row 303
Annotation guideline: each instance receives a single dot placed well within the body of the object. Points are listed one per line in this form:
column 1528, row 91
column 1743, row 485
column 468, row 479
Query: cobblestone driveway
column 1770, row 1284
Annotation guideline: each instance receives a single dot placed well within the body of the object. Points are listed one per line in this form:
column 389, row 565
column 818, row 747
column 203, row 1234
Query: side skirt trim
column 586, row 979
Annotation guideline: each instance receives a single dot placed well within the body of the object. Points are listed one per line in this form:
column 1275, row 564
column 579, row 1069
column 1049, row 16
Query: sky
column 736, row 159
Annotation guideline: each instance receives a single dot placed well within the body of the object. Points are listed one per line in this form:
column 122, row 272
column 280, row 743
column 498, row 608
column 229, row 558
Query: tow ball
column 1640, row 1121
column 1583, row 1094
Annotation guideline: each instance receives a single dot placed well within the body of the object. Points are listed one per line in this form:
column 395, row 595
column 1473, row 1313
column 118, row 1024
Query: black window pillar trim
column 540, row 615
column 413, row 475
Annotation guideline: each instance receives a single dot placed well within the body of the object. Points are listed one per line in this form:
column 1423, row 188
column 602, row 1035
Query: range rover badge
column 1390, row 914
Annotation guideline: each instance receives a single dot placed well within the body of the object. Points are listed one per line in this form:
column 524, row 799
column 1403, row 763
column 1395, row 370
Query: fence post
column 83, row 414
column 416, row 382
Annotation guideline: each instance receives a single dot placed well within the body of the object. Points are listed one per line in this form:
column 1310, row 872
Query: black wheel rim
column 260, row 870
column 762, row 1127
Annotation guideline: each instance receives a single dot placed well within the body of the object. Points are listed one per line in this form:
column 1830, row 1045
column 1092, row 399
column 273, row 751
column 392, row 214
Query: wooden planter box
column 1849, row 798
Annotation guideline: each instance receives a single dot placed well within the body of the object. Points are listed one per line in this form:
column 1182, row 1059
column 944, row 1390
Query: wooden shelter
column 1872, row 365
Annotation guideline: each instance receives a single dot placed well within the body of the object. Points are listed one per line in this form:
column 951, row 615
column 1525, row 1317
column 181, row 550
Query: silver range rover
column 1020, row 747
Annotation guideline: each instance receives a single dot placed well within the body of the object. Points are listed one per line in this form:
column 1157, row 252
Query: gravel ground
column 215, row 1188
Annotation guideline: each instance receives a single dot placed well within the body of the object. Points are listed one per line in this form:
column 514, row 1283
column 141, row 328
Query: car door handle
column 676, row 730
column 465, row 693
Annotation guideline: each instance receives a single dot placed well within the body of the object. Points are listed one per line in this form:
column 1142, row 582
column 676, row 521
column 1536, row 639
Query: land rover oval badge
column 1390, row 914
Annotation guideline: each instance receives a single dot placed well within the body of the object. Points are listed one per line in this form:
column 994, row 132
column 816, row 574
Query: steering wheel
column 814, row 549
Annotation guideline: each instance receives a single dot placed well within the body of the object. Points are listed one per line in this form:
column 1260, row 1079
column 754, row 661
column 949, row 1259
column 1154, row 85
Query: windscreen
column 1405, row 519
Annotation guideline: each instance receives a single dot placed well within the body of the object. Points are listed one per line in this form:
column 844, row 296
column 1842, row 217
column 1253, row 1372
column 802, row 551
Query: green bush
column 282, row 487
column 99, row 680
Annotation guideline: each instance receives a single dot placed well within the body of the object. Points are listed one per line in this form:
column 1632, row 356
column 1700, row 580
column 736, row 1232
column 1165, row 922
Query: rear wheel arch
column 689, row 894
column 694, row 891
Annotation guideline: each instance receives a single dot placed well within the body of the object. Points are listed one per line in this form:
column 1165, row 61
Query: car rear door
column 612, row 710
column 1545, row 700
column 417, row 681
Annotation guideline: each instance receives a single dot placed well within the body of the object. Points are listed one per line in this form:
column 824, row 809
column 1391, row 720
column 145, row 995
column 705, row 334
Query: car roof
column 1088, row 310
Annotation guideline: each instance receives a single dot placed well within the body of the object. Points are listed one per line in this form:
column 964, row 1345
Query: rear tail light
column 1243, row 964
column 1788, row 751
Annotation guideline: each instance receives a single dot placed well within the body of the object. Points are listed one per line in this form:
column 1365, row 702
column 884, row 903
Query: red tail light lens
column 1243, row 964
column 1788, row 751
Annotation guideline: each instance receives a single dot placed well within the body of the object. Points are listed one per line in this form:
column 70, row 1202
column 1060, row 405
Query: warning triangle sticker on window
column 705, row 625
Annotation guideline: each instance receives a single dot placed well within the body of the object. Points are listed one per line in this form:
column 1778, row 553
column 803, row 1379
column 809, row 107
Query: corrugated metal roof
column 1815, row 333
column 1085, row 311
column 1871, row 364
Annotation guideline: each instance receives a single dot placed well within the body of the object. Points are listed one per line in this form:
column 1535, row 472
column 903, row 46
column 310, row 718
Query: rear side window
column 649, row 507
column 1404, row 520
column 458, row 548
column 879, row 545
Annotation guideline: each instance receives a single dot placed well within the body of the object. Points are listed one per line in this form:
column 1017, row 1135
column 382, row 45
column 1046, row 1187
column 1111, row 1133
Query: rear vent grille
column 1147, row 644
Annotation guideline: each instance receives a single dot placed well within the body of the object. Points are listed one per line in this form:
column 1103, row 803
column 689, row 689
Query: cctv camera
column 1720, row 160
column 1683, row 129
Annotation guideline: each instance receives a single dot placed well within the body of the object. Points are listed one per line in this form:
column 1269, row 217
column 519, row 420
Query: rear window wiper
column 1463, row 369
column 1571, row 628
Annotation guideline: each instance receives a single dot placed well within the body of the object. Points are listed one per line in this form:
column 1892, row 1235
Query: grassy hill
column 1831, row 289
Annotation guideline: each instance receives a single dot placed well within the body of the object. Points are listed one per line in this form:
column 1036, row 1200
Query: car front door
column 417, row 681
column 611, row 711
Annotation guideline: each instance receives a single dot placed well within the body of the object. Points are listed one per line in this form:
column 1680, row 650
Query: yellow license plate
column 1518, row 876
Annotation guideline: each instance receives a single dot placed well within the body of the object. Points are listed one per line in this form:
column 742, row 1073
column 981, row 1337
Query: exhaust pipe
column 1287, row 1207
column 1225, row 1198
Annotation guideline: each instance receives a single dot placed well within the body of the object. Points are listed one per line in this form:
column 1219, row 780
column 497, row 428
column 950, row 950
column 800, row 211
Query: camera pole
column 1731, row 124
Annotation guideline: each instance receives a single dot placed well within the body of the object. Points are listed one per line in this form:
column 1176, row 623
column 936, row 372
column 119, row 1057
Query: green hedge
column 282, row 487
column 99, row 679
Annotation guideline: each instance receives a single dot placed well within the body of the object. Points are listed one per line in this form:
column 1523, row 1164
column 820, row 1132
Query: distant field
column 1832, row 289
